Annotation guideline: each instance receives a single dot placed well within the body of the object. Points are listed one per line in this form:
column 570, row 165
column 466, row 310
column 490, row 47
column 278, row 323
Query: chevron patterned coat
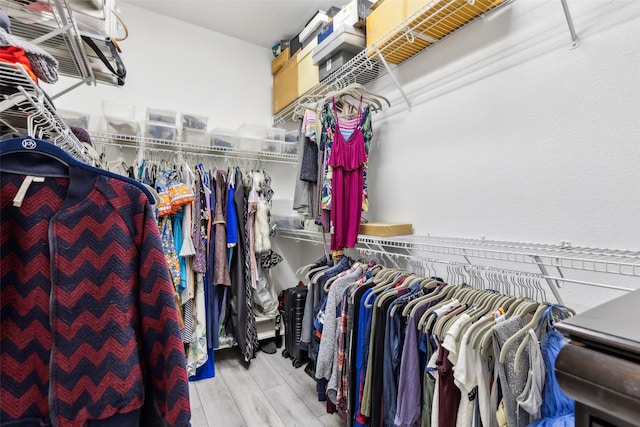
column 88, row 317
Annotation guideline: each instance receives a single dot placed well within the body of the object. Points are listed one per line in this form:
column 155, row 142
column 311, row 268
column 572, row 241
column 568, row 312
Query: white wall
column 178, row 66
column 514, row 136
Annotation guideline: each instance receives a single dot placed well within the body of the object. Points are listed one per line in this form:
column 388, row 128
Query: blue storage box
column 326, row 32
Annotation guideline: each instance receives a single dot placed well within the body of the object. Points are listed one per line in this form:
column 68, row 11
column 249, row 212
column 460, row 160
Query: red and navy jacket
column 88, row 318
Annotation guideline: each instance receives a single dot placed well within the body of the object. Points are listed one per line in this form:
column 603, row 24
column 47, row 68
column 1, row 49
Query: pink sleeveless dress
column 347, row 159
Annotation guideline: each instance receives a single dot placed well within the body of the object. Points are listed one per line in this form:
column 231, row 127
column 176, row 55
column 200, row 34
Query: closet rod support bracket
column 393, row 76
column 554, row 284
column 575, row 42
column 87, row 80
column 52, row 34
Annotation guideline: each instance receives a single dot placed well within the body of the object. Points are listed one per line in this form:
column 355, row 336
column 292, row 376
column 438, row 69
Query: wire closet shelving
column 51, row 24
column 22, row 101
column 429, row 25
column 173, row 147
column 432, row 23
column 545, row 257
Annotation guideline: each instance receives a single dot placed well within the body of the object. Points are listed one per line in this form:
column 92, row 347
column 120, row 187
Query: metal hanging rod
column 503, row 280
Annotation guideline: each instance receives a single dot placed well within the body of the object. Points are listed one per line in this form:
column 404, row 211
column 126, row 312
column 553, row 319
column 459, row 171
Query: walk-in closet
column 349, row 213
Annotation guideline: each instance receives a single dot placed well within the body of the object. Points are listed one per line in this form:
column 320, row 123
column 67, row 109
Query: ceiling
column 261, row 22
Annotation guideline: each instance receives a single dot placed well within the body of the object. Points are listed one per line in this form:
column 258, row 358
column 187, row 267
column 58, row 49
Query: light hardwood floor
column 267, row 392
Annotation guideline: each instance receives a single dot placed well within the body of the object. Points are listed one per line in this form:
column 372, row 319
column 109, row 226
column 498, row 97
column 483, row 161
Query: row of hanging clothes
column 215, row 232
column 331, row 186
column 392, row 348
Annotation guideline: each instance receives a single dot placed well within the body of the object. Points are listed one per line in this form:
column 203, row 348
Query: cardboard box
column 383, row 19
column 279, row 61
column 433, row 20
column 380, row 29
column 308, row 73
column 285, row 85
column 386, row 228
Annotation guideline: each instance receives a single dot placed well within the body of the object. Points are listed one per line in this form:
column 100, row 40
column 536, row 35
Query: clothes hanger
column 539, row 311
column 389, row 281
column 314, row 270
column 118, row 165
column 383, row 275
column 418, row 279
column 45, row 148
column 438, row 327
column 442, row 293
column 393, row 289
column 493, row 304
column 480, row 334
column 472, row 305
column 408, row 310
column 523, row 309
column 548, row 315
column 428, row 318
column 425, row 321
column 356, row 89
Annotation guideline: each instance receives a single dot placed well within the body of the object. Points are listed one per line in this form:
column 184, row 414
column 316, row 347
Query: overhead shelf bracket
column 393, row 77
column 87, row 80
column 52, row 34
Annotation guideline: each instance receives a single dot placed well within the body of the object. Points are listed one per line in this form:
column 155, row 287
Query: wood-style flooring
column 267, row 392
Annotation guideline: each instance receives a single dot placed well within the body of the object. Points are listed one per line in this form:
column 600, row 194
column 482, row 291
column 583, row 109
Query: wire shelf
column 429, row 25
column 612, row 261
column 21, row 98
column 52, row 25
column 52, row 22
column 186, row 148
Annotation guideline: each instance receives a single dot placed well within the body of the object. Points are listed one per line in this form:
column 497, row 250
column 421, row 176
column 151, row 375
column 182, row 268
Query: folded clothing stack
column 38, row 63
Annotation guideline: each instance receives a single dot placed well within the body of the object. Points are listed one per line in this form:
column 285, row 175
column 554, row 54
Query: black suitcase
column 294, row 301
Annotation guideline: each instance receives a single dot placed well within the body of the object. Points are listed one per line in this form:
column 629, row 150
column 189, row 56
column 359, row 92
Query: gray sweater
column 327, row 365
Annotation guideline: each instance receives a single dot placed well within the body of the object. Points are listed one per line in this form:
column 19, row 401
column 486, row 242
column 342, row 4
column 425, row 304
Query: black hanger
column 46, row 148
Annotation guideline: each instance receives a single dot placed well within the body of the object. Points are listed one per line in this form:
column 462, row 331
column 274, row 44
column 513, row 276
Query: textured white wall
column 178, row 66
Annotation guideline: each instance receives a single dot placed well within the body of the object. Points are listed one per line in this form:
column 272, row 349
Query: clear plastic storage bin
column 162, row 116
column 118, row 109
column 290, row 147
column 160, row 131
column 271, row 146
column 251, row 137
column 292, row 136
column 74, row 118
column 195, row 137
column 246, row 143
column 276, row 134
column 120, row 126
column 194, row 121
column 224, row 138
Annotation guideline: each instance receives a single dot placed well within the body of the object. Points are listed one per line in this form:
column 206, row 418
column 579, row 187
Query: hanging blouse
column 328, row 121
column 221, row 263
column 347, row 160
